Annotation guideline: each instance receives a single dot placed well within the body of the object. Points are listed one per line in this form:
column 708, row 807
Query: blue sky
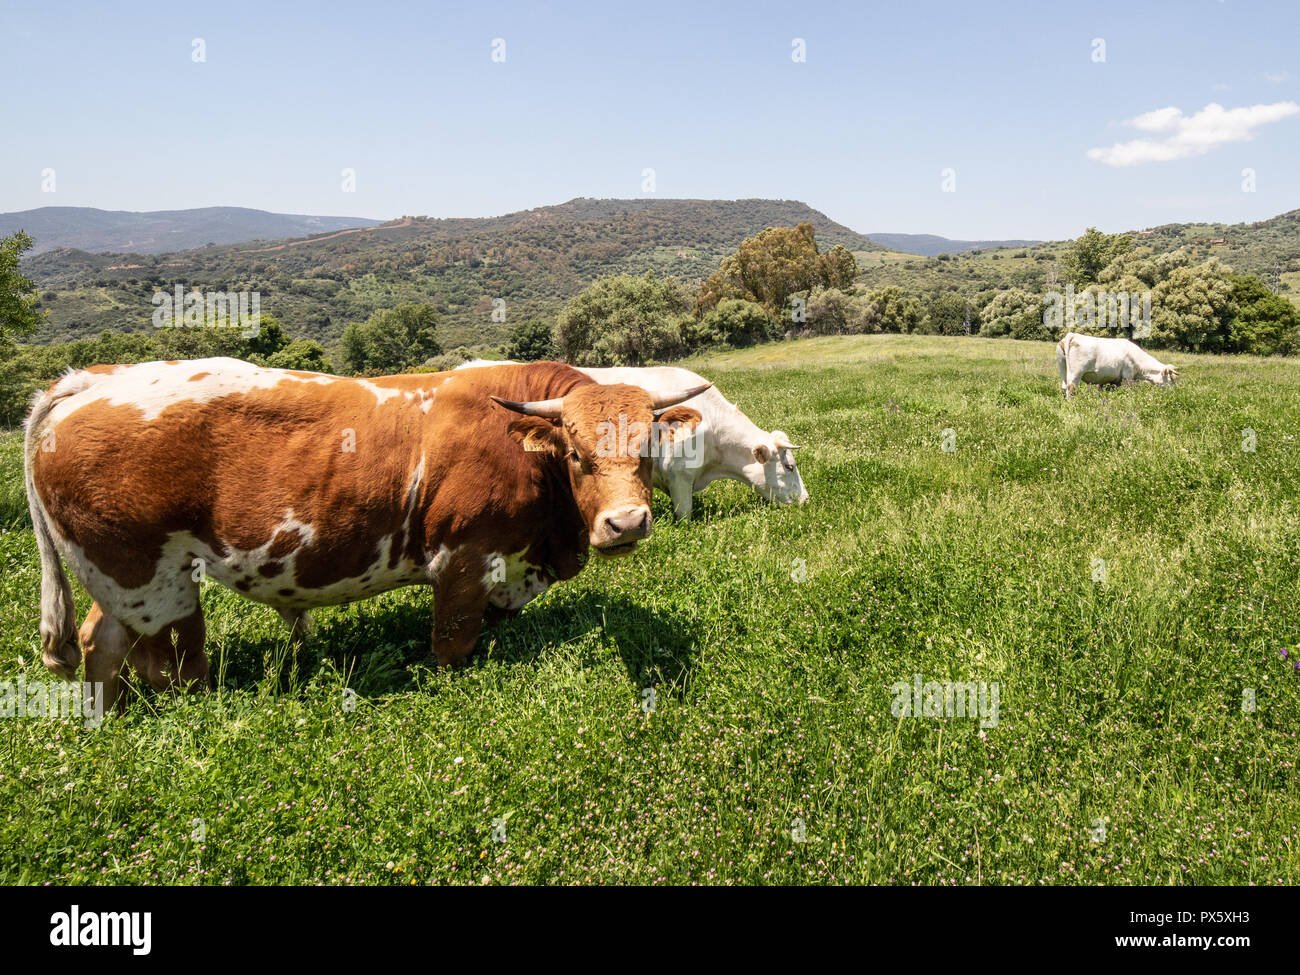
column 1007, row 95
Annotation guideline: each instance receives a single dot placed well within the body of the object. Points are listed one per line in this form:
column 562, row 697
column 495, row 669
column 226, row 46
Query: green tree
column 201, row 342
column 896, row 311
column 734, row 322
column 1264, row 323
column 304, row 354
column 836, row 268
column 1089, row 255
column 623, row 321
column 1132, row 271
column 946, row 314
column 392, row 339
column 1013, row 312
column 1193, row 308
column 269, row 339
column 18, row 313
column 771, row 266
column 832, row 312
column 16, row 384
column 531, row 341
column 353, row 346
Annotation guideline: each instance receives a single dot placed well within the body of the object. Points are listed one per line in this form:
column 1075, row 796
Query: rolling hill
column 160, row 231
column 930, row 245
column 534, row 259
column 537, row 259
column 1268, row 249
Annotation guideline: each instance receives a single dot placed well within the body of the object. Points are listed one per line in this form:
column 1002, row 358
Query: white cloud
column 1161, row 120
column 1278, row 77
column 1193, row 135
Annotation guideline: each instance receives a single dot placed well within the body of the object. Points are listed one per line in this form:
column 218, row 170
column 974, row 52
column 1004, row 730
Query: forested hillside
column 534, row 260
column 1269, row 249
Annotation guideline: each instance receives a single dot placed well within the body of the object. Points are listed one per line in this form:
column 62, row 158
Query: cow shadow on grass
column 379, row 648
column 371, row 644
column 658, row 647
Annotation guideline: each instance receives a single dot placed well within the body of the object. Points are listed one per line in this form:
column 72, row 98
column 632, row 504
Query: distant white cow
column 1101, row 361
column 726, row 443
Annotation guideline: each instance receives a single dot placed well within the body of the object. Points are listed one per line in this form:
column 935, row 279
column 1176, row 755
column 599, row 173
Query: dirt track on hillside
column 406, row 222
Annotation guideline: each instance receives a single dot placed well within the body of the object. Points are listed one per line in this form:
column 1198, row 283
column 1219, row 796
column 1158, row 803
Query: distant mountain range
column 929, row 245
column 162, row 231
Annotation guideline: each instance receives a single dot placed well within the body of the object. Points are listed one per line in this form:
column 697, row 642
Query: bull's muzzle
column 617, row 530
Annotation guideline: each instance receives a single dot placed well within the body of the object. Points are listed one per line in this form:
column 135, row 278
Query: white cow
column 1093, row 359
column 726, row 443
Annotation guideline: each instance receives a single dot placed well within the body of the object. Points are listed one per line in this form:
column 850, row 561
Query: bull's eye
column 788, row 467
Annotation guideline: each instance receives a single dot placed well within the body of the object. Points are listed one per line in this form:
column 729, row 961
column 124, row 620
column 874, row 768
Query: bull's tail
column 61, row 652
column 1063, row 362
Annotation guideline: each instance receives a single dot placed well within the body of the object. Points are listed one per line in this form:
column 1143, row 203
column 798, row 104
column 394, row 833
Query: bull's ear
column 538, row 435
column 681, row 420
column 762, row 454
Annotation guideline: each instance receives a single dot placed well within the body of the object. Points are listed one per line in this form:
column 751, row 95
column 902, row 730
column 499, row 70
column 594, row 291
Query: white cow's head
column 773, row 472
column 1167, row 376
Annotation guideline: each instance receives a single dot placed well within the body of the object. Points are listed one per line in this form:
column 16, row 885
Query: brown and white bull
column 726, row 444
column 301, row 490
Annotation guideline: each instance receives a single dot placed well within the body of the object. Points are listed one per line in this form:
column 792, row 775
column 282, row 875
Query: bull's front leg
column 460, row 596
column 682, row 491
column 494, row 616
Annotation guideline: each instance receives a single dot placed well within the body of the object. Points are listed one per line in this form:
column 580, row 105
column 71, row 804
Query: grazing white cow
column 1102, row 361
column 726, row 443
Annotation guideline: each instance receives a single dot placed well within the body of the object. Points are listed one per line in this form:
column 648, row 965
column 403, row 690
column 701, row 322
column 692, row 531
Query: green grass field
column 1125, row 751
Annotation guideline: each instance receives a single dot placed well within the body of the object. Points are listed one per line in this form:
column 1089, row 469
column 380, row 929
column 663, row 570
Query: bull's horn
column 548, row 408
column 783, row 442
column 661, row 401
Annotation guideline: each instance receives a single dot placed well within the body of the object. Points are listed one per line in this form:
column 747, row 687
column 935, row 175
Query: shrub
column 734, row 322
column 531, row 341
column 1264, row 323
column 304, row 354
column 623, row 321
column 392, row 339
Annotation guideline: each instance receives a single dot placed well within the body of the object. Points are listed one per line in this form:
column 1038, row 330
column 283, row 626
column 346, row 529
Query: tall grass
column 1119, row 566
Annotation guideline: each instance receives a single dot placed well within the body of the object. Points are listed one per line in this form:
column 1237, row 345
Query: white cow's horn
column 783, row 443
column 661, row 401
column 548, row 408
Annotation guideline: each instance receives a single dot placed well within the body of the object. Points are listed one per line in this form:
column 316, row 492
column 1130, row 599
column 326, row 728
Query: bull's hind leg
column 105, row 643
column 173, row 657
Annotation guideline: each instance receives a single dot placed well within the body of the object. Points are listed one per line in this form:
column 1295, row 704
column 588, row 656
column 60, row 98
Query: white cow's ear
column 762, row 453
